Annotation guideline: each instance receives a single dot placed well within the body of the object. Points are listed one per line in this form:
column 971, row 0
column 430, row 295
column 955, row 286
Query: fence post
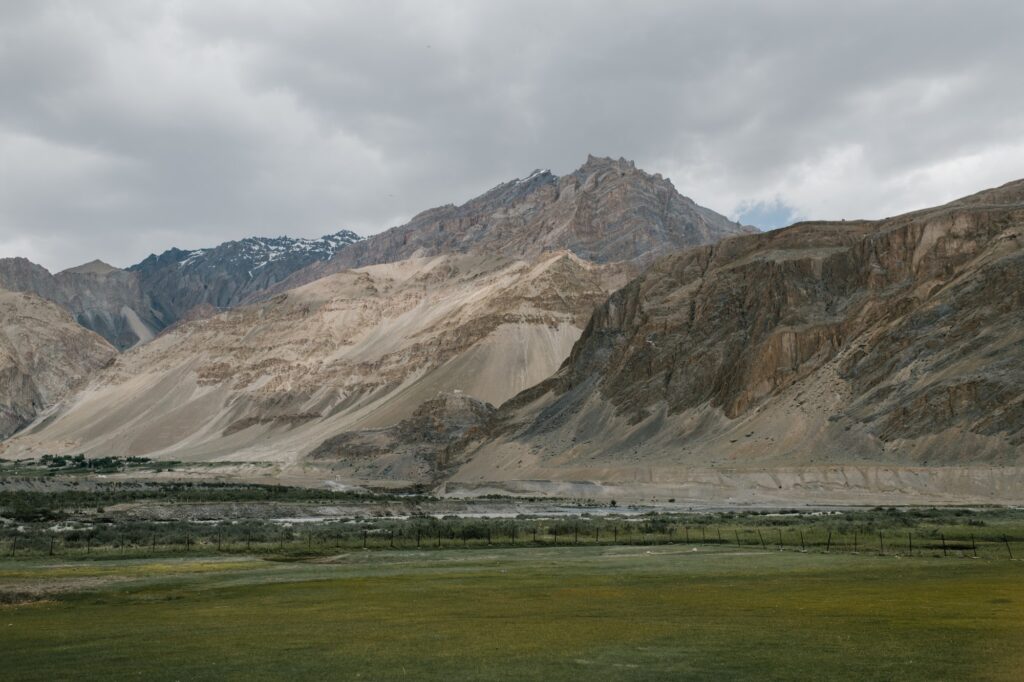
column 854, row 542
column 737, row 537
column 14, row 545
column 974, row 547
column 597, row 535
column 803, row 547
column 1007, row 543
column 703, row 538
column 417, row 538
column 513, row 535
column 881, row 545
column 943, row 536
column 153, row 543
column 576, row 535
column 615, row 535
column 828, row 544
column 719, row 535
column 364, row 538
column 51, row 545
column 780, row 539
column 761, row 538
column 910, row 544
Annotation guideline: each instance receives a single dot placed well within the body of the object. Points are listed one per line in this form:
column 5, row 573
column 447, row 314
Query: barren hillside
column 362, row 348
column 897, row 343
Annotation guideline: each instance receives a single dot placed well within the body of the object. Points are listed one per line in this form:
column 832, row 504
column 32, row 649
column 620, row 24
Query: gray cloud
column 127, row 127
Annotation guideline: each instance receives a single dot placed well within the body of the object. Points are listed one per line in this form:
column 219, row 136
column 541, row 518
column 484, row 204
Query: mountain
column 44, row 354
column 361, row 349
column 606, row 211
column 840, row 349
column 102, row 298
column 127, row 307
column 179, row 281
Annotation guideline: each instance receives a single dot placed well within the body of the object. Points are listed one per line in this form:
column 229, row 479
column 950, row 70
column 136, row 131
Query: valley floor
column 678, row 611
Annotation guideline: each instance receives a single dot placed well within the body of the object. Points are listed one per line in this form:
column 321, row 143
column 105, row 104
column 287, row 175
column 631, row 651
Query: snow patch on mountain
column 254, row 253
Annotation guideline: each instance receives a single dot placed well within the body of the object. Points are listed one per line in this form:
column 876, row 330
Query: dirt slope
column 360, row 349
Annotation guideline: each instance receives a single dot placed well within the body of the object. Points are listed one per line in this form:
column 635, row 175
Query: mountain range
column 130, row 306
column 591, row 334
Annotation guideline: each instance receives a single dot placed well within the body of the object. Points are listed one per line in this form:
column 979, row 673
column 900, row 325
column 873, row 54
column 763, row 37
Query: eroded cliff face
column 607, row 211
column 897, row 341
column 419, row 448
column 43, row 356
column 102, row 298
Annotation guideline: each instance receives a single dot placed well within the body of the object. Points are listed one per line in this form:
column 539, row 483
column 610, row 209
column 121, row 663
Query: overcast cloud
column 130, row 127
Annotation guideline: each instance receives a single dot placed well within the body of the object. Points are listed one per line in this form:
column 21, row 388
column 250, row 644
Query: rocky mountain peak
column 595, row 164
column 93, row 267
column 182, row 282
column 607, row 211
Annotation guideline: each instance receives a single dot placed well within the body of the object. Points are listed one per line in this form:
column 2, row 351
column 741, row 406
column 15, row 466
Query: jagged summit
column 180, row 281
column 252, row 252
column 606, row 211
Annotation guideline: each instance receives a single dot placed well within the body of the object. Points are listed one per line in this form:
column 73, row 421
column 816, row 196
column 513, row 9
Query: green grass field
column 616, row 613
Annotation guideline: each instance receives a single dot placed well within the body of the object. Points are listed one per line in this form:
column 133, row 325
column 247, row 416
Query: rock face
column 102, row 298
column 43, row 355
column 362, row 349
column 607, row 211
column 178, row 282
column 417, row 448
column 898, row 342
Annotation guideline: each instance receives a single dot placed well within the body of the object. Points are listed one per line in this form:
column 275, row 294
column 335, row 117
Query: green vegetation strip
column 616, row 613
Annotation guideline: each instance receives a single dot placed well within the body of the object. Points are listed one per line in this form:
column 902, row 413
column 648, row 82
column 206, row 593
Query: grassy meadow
column 679, row 611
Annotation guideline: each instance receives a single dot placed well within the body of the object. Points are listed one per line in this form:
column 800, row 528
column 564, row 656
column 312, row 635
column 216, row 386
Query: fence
column 316, row 539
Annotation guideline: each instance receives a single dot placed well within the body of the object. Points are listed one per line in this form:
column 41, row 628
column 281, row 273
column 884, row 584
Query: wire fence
column 318, row 539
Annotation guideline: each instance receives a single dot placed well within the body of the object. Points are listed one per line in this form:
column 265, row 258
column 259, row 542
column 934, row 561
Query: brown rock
column 43, row 356
column 896, row 341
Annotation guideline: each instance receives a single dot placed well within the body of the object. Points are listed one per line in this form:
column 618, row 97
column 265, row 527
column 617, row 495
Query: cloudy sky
column 130, row 127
